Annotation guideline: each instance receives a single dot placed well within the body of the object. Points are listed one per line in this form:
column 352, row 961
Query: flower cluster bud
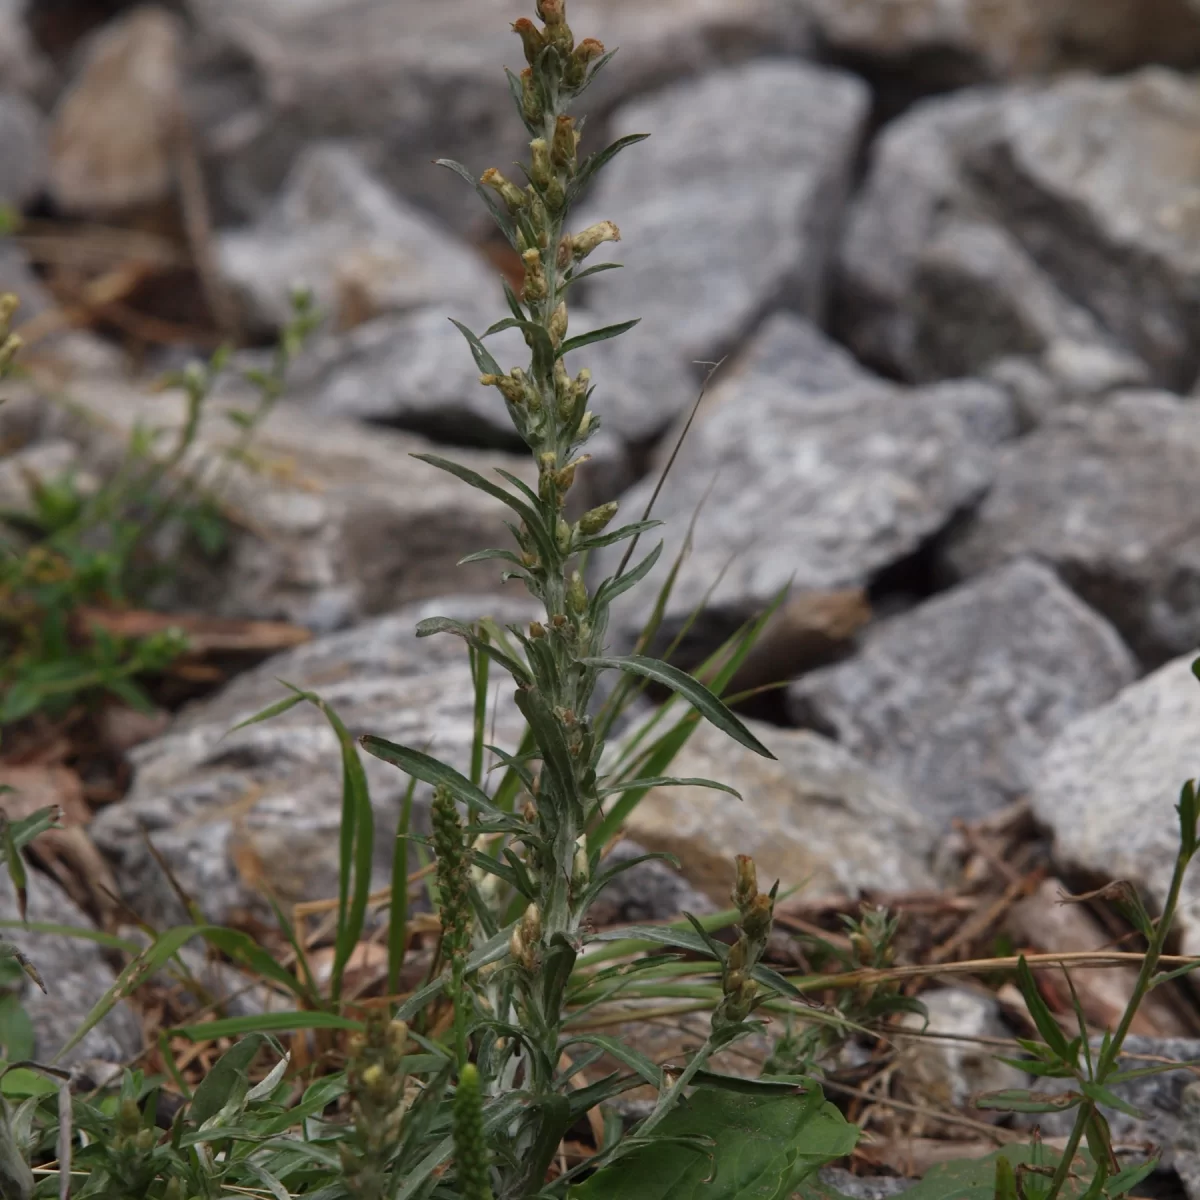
column 378, row 1098
column 581, row 58
column 537, row 629
column 586, row 240
column 757, row 909
column 579, row 866
column 541, row 170
column 10, row 347
column 525, row 942
column 470, row 1145
column 565, row 147
column 532, row 39
column 505, row 188
column 595, row 519
column 453, row 875
column 558, row 324
column 531, row 103
column 564, row 480
column 558, row 32
column 510, row 388
column 577, row 596
column 745, row 883
column 535, row 277
column 563, row 536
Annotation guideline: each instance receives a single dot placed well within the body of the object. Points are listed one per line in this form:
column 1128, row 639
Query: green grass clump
column 72, row 550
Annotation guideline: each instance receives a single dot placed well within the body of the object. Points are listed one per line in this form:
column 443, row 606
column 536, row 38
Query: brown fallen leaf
column 68, row 854
column 205, row 635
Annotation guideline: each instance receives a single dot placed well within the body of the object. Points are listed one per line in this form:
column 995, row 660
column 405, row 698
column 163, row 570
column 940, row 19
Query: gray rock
column 335, row 523
column 1108, row 784
column 233, row 813
column 1069, row 372
column 948, row 1073
column 23, row 163
column 22, row 67
column 860, row 1187
column 731, row 208
column 415, row 371
column 936, row 44
column 824, row 488
column 1105, row 494
column 411, row 84
column 1010, row 222
column 360, row 249
column 959, row 698
column 816, row 815
column 76, row 974
column 650, row 891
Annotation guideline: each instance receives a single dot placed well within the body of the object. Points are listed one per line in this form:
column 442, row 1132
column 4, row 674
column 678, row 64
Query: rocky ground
column 949, row 254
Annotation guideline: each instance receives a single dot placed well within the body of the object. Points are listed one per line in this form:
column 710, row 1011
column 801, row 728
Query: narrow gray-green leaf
column 597, row 335
column 691, row 689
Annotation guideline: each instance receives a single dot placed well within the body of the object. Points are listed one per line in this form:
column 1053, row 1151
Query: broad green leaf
column 691, row 689
column 759, row 1147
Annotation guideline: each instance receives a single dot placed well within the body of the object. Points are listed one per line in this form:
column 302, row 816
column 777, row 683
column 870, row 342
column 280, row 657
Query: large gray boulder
column 801, row 468
column 816, row 815
column 361, row 250
column 236, row 814
column 733, row 205
column 1106, row 495
column 1108, row 784
column 413, row 83
column 331, row 521
column 958, row 698
column 1001, row 222
column 414, row 370
column 935, row 44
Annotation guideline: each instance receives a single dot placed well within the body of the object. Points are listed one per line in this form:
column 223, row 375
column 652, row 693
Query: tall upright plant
column 512, row 947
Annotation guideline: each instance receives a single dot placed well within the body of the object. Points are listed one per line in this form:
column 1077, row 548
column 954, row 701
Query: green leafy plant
column 515, row 927
column 73, row 550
